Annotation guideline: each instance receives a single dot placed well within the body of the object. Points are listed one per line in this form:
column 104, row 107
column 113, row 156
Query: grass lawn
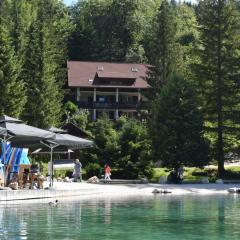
column 193, row 174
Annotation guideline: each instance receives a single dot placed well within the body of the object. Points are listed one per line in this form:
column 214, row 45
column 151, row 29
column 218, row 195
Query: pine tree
column 177, row 126
column 219, row 72
column 164, row 53
column 44, row 56
column 12, row 90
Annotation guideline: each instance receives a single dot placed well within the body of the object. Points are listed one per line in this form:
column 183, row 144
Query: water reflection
column 153, row 217
column 107, row 211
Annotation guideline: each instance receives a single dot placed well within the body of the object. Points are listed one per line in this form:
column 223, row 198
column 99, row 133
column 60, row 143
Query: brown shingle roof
column 80, row 74
column 104, row 74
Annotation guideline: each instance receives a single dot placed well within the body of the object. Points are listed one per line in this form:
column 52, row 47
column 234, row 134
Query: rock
column 162, row 180
column 66, row 179
column 155, row 191
column 234, row 190
column 219, row 181
column 93, row 179
column 164, row 191
column 13, row 185
column 204, row 180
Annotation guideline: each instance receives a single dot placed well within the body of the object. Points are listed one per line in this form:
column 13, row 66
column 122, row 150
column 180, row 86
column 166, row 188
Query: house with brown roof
column 112, row 88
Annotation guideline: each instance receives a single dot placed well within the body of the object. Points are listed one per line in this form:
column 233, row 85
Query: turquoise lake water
column 135, row 218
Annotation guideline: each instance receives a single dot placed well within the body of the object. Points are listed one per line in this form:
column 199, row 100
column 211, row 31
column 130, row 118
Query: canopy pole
column 69, row 156
column 51, row 177
column 51, row 146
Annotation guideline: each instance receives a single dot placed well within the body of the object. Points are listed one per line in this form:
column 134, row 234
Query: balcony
column 113, row 105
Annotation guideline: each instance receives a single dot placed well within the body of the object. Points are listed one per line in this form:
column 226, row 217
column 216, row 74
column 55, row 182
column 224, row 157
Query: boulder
column 93, row 179
column 164, row 191
column 13, row 185
column 66, row 179
column 234, row 190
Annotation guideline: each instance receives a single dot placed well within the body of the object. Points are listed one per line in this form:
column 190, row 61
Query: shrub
column 93, row 169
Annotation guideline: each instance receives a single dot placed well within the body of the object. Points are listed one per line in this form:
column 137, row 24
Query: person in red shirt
column 107, row 170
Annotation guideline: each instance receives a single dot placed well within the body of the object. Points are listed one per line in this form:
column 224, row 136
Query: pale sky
column 69, row 2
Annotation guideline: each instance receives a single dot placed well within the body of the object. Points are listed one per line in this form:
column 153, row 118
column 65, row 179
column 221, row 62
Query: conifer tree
column 219, row 72
column 177, row 126
column 44, row 56
column 164, row 53
column 12, row 90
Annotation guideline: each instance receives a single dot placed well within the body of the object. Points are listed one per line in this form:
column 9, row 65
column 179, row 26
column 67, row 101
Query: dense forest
column 193, row 53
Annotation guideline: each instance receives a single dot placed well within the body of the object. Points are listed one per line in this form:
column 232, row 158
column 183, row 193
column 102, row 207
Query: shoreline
column 85, row 190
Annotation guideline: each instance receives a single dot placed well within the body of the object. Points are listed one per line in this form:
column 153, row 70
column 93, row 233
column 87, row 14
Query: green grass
column 58, row 173
column 193, row 174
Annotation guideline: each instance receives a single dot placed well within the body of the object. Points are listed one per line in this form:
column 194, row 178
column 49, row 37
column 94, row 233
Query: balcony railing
column 113, row 105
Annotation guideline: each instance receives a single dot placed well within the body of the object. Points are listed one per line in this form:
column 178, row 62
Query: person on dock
column 107, row 171
column 77, row 171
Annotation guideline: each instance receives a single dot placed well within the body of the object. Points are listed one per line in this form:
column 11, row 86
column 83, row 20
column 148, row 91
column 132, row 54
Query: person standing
column 77, row 171
column 107, row 171
column 180, row 174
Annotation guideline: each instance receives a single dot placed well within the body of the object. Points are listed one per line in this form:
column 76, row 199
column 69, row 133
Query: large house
column 114, row 88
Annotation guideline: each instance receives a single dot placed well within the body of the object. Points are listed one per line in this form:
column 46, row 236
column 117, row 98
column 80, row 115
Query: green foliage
column 79, row 117
column 109, row 30
column 194, row 175
column 187, row 35
column 177, row 126
column 124, row 145
column 93, row 169
column 44, row 55
column 135, row 157
column 12, row 90
column 218, row 74
column 33, row 43
column 164, row 53
column 106, row 139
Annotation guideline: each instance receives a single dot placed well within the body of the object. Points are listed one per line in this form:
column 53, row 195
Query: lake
column 162, row 217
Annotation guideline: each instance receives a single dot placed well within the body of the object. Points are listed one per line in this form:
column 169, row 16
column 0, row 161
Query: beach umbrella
column 61, row 139
column 3, row 131
column 15, row 131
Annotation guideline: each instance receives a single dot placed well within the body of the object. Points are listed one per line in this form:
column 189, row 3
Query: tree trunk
column 220, row 153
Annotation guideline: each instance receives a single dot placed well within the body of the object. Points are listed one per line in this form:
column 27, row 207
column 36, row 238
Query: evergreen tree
column 135, row 157
column 44, row 55
column 219, row 72
column 12, row 90
column 177, row 126
column 164, row 53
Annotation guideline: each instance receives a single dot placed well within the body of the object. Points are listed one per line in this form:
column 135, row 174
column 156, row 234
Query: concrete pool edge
column 85, row 189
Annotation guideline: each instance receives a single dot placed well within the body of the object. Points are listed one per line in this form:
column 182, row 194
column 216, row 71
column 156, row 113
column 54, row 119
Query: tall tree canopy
column 110, row 30
column 40, row 45
column 12, row 90
column 177, row 126
column 164, row 52
column 219, row 72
